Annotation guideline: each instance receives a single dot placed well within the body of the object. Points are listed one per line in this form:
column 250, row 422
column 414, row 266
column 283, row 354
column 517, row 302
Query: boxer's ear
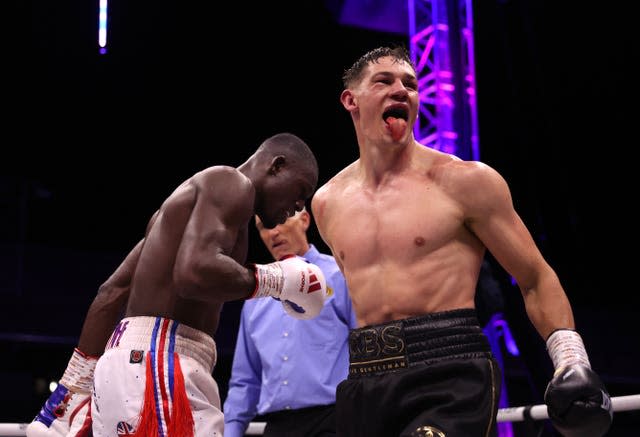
column 277, row 163
column 348, row 100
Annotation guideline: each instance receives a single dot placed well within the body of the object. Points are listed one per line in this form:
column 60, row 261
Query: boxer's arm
column 577, row 401
column 107, row 307
column 322, row 215
column 206, row 266
column 67, row 409
column 68, row 406
column 319, row 210
column 490, row 215
column 110, row 302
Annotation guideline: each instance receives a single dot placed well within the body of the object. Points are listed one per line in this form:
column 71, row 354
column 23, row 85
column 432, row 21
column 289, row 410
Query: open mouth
column 396, row 111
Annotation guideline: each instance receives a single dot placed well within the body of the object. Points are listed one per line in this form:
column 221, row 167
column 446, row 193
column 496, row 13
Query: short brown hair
column 354, row 73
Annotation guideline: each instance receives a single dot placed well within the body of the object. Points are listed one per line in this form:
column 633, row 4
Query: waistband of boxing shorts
column 144, row 333
column 428, row 339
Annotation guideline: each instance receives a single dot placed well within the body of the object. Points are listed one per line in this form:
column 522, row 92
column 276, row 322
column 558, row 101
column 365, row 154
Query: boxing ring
column 512, row 414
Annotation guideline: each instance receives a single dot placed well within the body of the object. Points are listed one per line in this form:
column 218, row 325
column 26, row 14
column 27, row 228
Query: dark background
column 93, row 143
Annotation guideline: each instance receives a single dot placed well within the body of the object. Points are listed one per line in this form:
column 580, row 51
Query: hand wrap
column 577, row 401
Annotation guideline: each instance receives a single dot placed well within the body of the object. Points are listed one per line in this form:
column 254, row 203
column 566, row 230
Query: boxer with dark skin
column 409, row 227
column 174, row 283
column 193, row 257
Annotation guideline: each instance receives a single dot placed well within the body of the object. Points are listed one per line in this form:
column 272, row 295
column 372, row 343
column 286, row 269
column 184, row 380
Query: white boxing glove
column 67, row 410
column 298, row 284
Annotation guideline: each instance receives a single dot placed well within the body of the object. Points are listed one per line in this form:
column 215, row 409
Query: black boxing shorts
column 432, row 375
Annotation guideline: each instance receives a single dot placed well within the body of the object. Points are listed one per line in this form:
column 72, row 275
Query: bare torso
column 402, row 243
column 155, row 291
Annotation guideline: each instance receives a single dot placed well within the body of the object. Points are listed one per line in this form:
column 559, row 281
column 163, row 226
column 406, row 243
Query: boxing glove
column 577, row 401
column 298, row 284
column 67, row 410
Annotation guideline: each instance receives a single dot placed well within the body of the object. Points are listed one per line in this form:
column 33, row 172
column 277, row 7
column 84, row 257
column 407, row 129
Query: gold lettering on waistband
column 378, row 366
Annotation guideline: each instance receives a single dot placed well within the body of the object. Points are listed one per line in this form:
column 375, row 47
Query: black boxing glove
column 577, row 401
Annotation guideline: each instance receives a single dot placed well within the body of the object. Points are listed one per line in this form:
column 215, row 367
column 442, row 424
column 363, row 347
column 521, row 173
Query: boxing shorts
column 155, row 378
column 432, row 375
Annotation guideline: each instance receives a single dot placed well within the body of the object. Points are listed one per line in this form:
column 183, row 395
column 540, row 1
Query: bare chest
column 398, row 225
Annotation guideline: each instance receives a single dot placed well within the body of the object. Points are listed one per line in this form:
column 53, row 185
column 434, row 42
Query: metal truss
column 441, row 46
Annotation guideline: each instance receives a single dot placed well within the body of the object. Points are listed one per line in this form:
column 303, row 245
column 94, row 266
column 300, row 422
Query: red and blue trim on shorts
column 161, row 354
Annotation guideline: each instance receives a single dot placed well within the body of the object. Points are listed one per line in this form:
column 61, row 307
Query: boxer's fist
column 64, row 413
column 307, row 301
column 299, row 285
column 578, row 403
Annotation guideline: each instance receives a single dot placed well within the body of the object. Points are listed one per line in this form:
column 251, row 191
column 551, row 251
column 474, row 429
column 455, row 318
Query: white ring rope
column 13, row 429
column 513, row 414
column 539, row 412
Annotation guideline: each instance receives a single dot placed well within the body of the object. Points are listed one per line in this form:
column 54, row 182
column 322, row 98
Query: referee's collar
column 311, row 253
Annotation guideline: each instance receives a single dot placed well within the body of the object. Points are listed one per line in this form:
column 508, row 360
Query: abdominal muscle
column 391, row 290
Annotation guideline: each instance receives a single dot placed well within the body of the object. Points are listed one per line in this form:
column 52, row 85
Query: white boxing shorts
column 155, row 379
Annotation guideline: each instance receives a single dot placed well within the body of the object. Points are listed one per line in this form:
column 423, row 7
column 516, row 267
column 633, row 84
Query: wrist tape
column 566, row 348
column 78, row 376
column 269, row 280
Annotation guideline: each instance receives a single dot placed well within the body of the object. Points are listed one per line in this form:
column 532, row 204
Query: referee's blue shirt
column 282, row 363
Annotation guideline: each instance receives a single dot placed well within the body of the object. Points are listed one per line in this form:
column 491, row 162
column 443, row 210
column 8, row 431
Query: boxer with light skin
column 409, row 227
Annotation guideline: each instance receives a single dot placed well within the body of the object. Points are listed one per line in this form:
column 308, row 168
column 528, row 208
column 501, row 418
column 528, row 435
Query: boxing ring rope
column 512, row 414
column 539, row 412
